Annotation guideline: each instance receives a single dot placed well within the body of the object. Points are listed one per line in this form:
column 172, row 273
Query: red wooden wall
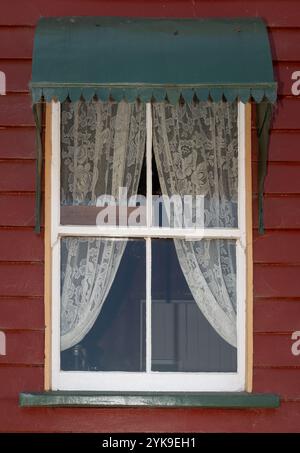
column 276, row 255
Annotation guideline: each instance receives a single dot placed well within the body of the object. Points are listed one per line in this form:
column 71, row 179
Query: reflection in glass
column 182, row 338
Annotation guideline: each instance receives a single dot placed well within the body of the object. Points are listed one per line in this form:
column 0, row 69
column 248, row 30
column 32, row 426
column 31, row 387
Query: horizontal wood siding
column 17, row 210
column 17, row 143
column 276, row 255
column 25, row 313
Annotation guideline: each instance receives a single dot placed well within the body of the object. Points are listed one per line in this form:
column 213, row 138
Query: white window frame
column 148, row 380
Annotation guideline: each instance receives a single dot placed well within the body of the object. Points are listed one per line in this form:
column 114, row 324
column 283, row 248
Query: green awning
column 122, row 58
column 153, row 60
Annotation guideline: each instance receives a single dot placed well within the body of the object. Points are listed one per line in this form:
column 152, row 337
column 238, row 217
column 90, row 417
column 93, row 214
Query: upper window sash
column 59, row 230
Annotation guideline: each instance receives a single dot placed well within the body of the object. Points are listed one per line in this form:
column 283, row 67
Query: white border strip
column 142, row 232
column 241, row 275
column 55, row 172
column 154, row 381
column 148, row 306
column 55, row 243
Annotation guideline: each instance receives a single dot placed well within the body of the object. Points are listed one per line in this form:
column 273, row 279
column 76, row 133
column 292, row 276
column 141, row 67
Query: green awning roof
column 122, row 58
column 153, row 59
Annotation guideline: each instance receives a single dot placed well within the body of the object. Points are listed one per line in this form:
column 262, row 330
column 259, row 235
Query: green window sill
column 149, row 399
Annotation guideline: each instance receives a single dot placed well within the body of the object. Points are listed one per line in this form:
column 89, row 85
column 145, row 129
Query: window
column 148, row 246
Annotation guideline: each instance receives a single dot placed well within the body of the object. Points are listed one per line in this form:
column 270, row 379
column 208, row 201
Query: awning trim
column 147, row 92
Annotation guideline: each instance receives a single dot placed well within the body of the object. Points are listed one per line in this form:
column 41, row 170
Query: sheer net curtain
column 196, row 152
column 102, row 147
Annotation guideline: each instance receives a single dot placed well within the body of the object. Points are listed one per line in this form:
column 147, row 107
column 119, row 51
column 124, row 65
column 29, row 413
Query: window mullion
column 148, row 305
column 148, row 239
column 55, row 243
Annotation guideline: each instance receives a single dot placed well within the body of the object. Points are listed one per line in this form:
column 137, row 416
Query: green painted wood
column 149, row 399
column 127, row 58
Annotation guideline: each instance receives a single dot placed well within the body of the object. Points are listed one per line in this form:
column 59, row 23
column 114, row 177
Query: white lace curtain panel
column 195, row 148
column 103, row 145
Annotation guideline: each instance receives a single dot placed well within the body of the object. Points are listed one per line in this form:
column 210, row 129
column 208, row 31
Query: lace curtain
column 196, row 153
column 195, row 147
column 102, row 145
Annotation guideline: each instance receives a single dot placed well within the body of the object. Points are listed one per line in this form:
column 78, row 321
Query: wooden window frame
column 217, row 382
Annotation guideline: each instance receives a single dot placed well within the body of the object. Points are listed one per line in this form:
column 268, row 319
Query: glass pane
column 103, row 284
column 194, row 306
column 196, row 153
column 102, row 154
